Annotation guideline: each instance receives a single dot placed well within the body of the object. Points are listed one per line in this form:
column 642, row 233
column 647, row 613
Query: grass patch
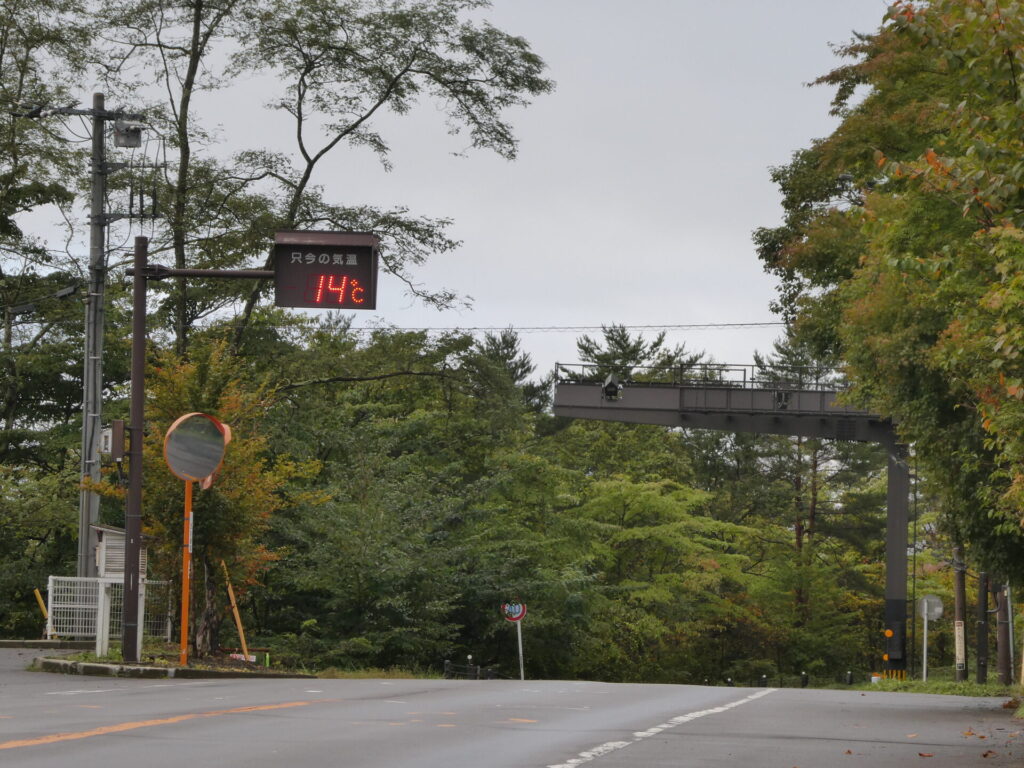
column 111, row 657
column 371, row 673
column 945, row 687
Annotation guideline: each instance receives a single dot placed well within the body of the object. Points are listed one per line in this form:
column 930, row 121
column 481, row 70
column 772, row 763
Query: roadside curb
column 65, row 667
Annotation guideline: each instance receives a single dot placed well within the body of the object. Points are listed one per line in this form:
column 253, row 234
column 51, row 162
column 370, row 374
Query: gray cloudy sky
column 639, row 179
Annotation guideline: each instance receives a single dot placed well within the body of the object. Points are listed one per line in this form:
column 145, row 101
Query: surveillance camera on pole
column 611, row 387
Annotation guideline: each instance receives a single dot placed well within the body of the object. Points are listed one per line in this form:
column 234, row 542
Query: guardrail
column 468, row 672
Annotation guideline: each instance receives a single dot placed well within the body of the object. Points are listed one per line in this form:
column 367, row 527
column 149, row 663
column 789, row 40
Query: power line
column 523, row 328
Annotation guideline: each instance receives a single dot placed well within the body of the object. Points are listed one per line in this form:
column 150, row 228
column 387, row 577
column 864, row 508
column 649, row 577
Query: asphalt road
column 55, row 720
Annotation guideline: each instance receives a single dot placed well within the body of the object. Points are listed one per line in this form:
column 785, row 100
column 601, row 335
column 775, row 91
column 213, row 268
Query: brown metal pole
column 133, row 504
column 960, row 609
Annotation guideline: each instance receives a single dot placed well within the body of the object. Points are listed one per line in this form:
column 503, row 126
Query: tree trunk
column 209, row 621
column 799, row 535
column 982, row 629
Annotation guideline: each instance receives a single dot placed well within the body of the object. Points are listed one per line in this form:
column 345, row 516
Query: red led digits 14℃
column 335, row 290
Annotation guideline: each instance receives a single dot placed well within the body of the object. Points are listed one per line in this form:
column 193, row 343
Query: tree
column 618, row 352
column 42, row 52
column 345, row 64
column 232, row 516
column 890, row 285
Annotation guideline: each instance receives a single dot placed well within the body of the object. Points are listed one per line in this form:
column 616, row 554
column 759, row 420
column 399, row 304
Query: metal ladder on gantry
column 741, row 399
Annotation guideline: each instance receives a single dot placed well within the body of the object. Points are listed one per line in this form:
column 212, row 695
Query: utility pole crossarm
column 160, row 272
column 98, row 113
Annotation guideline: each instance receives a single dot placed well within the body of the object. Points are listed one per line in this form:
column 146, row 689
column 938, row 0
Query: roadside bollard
column 849, row 677
column 804, row 680
column 729, row 682
column 764, row 681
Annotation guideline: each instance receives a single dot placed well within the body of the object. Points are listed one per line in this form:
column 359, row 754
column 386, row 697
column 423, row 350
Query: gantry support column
column 897, row 503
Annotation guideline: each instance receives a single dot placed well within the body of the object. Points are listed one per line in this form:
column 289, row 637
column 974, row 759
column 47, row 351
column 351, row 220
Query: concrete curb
column 65, row 667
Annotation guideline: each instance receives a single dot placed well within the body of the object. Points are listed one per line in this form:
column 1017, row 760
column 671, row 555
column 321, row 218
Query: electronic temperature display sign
column 325, row 270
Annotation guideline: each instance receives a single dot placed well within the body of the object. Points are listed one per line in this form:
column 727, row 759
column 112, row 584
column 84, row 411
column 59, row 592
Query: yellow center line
column 53, row 738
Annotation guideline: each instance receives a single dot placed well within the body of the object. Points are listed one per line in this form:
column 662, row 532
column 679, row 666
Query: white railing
column 84, row 607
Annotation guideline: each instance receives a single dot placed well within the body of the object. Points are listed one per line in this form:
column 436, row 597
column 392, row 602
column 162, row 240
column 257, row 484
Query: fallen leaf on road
column 911, row 735
column 848, row 752
column 989, row 753
column 926, row 754
column 969, row 732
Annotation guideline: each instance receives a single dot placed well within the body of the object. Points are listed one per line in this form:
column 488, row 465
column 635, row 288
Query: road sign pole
column 519, row 636
column 924, row 650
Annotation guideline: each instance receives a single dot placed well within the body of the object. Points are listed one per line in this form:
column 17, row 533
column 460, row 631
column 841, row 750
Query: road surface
column 56, row 720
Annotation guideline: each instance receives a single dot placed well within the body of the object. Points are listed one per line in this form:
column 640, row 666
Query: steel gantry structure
column 801, row 403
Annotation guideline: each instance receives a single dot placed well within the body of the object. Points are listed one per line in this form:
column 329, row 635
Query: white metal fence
column 75, row 603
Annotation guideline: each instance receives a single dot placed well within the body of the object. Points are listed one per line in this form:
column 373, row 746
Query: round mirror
column 194, row 446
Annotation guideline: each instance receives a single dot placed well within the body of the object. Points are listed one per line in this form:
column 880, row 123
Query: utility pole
column 95, row 301
column 959, row 611
column 130, row 629
column 92, row 375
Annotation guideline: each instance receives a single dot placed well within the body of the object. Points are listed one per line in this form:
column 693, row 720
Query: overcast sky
column 639, row 179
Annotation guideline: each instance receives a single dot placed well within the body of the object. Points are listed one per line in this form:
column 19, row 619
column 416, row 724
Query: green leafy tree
column 890, row 284
column 230, row 517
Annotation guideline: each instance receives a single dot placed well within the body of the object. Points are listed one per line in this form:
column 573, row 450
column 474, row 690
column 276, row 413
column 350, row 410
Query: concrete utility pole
column 92, row 376
column 960, row 609
column 95, row 310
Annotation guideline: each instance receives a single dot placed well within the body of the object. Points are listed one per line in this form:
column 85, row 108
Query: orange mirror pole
column 186, row 573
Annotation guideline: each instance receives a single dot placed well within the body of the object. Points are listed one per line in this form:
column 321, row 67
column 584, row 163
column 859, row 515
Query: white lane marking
column 176, row 685
column 612, row 746
column 122, row 690
column 394, row 701
column 313, row 690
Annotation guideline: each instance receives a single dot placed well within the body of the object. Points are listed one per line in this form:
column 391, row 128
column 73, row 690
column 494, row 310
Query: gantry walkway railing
column 793, row 401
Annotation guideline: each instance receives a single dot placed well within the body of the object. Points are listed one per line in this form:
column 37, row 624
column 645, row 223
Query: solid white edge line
column 612, row 746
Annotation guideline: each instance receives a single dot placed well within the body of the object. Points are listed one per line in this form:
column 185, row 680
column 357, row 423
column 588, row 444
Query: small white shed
column 110, row 552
